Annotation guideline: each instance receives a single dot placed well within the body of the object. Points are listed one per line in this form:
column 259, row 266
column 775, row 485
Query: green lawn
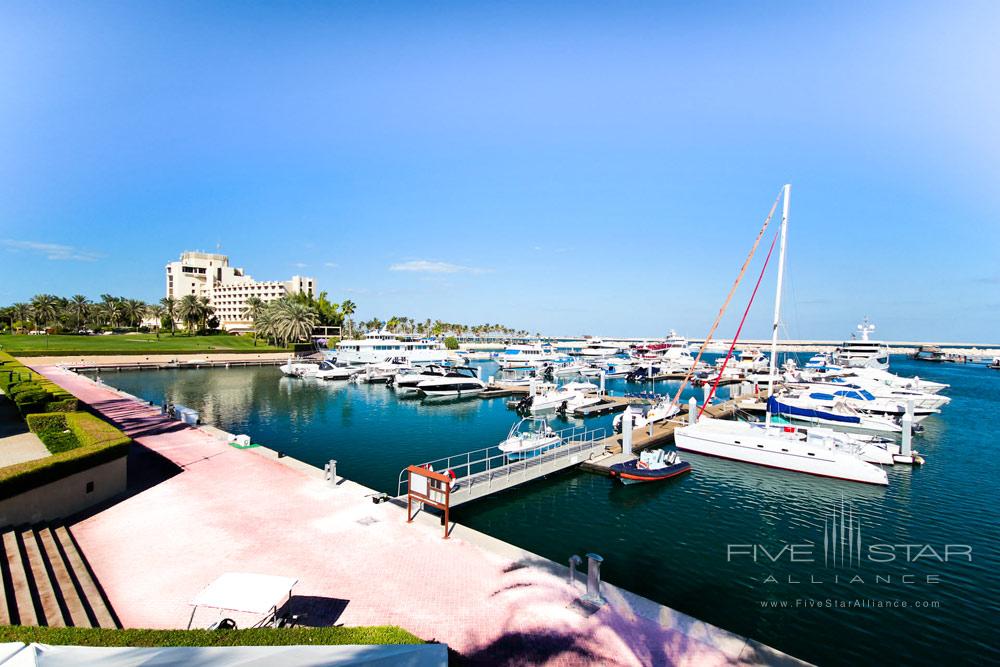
column 58, row 345
column 382, row 634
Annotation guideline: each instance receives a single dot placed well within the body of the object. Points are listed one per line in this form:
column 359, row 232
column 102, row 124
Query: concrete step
column 74, row 611
column 98, row 608
column 45, row 596
column 21, row 606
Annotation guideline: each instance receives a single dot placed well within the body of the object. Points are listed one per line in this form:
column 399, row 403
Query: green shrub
column 91, row 431
column 60, row 441
column 25, row 476
column 70, row 404
column 451, row 343
column 383, row 634
column 46, row 423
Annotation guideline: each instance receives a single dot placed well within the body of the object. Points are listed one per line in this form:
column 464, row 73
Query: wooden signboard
column 429, row 488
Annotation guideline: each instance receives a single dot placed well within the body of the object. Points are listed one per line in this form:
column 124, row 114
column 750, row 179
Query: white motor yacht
column 299, row 367
column 525, row 356
column 328, row 370
column 384, row 371
column 559, row 397
column 457, row 381
column 376, row 346
column 898, row 382
column 863, row 352
column 838, row 415
column 408, row 380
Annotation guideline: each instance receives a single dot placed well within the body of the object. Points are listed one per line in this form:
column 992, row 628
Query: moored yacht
column 457, row 381
column 863, row 352
column 378, row 346
column 525, row 356
column 815, row 451
column 528, row 438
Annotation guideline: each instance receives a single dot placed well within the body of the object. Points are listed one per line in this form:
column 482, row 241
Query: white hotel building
column 227, row 288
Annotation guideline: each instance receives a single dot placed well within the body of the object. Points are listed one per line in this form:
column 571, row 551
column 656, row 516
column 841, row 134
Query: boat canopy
column 774, row 406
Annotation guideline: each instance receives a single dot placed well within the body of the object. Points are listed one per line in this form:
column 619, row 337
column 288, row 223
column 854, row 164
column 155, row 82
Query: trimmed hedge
column 31, row 392
column 77, row 440
column 22, row 477
column 379, row 634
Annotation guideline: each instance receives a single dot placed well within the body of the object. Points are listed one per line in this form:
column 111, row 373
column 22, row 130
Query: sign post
column 428, row 488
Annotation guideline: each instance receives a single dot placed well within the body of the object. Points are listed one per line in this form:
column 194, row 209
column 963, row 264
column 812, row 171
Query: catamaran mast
column 777, row 297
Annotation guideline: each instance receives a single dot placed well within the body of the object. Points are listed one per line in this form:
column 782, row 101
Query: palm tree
column 169, row 305
column 189, row 311
column 133, row 311
column 252, row 309
column 45, row 308
column 156, row 312
column 21, row 312
column 348, row 308
column 206, row 309
column 79, row 308
column 293, row 321
column 263, row 324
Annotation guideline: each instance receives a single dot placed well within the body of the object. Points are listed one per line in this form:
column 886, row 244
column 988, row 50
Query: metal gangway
column 484, row 471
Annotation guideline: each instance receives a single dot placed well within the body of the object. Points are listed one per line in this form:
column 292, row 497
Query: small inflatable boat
column 651, row 466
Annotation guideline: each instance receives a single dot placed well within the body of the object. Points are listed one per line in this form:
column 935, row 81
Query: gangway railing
column 491, row 465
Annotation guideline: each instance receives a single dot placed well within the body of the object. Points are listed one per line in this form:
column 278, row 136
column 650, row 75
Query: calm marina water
column 709, row 544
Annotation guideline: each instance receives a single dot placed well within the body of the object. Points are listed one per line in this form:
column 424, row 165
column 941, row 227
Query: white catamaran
column 815, row 451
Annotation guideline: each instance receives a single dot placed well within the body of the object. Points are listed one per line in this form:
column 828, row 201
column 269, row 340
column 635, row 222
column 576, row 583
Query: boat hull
column 771, row 452
column 630, row 473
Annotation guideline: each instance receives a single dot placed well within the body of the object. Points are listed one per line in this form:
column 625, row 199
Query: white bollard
column 692, row 411
column 593, row 595
column 704, row 393
column 905, row 448
column 627, row 430
column 602, row 382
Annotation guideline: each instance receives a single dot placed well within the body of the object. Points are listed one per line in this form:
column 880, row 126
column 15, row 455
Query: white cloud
column 52, row 251
column 428, row 266
column 300, row 265
column 330, row 265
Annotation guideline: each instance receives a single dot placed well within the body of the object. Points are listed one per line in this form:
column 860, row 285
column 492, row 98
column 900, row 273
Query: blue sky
column 563, row 167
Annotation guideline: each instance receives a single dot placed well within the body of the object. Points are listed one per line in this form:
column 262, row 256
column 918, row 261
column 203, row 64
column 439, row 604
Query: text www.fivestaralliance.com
column 851, row 603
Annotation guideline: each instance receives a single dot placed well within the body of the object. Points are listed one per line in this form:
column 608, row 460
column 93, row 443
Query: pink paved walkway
column 232, row 510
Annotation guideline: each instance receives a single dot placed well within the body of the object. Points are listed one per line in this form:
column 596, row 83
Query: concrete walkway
column 357, row 563
column 17, row 443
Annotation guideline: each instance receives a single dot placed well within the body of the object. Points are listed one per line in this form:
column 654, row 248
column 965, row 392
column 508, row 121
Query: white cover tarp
column 243, row 591
column 43, row 655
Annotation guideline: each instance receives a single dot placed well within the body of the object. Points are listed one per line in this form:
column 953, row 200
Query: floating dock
column 166, row 365
column 662, row 434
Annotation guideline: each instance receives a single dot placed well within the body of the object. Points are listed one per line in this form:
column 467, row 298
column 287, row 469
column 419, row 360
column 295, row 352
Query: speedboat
column 646, row 414
column 384, row 371
column 408, row 381
column 863, row 352
column 299, row 368
column 651, row 466
column 328, row 370
column 457, row 381
column 528, row 438
column 560, row 396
